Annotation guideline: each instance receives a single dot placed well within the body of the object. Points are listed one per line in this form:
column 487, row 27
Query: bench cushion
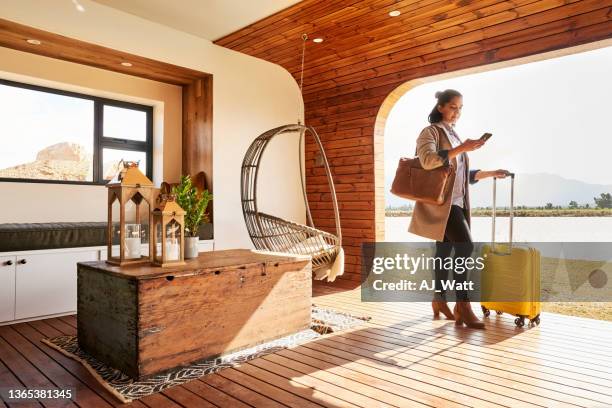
column 28, row 237
column 23, row 237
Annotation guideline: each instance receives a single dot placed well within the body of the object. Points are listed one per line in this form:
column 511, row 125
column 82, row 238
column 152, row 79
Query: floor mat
column 126, row 389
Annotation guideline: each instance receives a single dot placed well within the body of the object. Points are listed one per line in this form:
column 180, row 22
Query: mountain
column 61, row 161
column 530, row 189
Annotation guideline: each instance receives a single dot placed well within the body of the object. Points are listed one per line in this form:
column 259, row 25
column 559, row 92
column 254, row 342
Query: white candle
column 132, row 248
column 172, row 251
column 158, row 252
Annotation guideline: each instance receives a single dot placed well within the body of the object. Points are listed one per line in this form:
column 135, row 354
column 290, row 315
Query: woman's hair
column 443, row 98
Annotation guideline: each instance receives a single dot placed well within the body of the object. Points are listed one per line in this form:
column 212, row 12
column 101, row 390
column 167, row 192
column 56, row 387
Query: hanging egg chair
column 272, row 233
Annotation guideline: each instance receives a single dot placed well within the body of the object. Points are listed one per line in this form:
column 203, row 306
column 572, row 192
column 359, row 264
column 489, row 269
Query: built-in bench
column 38, row 265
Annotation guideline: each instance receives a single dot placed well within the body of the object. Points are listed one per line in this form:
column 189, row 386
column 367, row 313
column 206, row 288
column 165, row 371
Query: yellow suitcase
column 511, row 275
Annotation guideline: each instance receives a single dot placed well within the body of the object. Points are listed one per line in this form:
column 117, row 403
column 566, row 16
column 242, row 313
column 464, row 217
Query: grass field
column 572, row 287
column 592, row 310
column 573, row 280
column 527, row 212
column 578, row 270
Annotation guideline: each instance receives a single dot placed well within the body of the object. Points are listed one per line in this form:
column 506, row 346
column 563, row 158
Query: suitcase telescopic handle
column 494, row 214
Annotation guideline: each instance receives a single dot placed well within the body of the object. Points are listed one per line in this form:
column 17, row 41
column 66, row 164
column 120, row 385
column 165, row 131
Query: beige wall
column 249, row 97
column 90, row 206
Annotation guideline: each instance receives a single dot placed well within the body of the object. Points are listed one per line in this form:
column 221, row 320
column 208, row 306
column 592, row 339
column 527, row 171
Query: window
column 126, row 133
column 48, row 135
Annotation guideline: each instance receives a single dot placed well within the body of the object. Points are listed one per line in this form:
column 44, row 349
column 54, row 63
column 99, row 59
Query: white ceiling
column 210, row 19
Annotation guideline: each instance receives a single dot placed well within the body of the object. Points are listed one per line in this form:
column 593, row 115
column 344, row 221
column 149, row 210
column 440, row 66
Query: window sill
column 42, row 181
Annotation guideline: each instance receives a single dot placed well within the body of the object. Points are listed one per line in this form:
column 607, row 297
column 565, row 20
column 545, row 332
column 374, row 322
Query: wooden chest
column 145, row 320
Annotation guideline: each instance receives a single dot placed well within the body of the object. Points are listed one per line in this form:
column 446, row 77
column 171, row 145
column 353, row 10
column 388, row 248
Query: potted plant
column 194, row 204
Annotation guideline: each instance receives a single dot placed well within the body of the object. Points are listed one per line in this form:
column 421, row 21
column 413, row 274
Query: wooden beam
column 197, row 150
column 14, row 35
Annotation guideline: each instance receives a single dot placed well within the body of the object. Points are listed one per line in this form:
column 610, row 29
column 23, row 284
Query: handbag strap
column 439, row 131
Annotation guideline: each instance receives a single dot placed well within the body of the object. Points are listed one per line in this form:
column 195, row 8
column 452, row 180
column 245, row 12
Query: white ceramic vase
column 191, row 247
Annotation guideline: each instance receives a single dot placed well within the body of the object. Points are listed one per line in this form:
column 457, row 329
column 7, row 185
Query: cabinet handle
column 8, row 263
column 23, row 261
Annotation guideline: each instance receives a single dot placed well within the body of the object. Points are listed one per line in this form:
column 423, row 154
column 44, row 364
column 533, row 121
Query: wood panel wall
column 366, row 55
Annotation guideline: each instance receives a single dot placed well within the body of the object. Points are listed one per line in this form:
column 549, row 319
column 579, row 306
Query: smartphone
column 486, row 136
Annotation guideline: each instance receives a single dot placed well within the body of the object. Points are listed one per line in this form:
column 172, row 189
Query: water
column 597, row 231
column 525, row 229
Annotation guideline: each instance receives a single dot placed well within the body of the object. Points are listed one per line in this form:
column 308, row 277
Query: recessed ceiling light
column 33, row 42
column 126, row 64
column 395, row 13
column 318, row 40
column 78, row 6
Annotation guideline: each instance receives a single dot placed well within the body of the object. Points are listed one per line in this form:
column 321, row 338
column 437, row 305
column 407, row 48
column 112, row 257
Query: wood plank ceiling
column 366, row 55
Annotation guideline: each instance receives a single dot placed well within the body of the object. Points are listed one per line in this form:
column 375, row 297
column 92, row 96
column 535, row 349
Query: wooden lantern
column 129, row 188
column 168, row 232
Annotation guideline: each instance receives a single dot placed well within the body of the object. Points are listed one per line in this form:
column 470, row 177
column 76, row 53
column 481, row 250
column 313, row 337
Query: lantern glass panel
column 158, row 241
column 131, row 223
column 173, row 248
column 144, row 227
column 116, row 229
column 133, row 241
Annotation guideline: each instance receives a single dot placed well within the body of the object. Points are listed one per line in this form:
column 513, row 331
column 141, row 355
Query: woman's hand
column 471, row 144
column 500, row 173
column 483, row 174
column 467, row 146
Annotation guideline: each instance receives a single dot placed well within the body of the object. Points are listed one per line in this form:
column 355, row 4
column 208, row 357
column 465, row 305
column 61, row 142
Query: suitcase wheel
column 519, row 321
column 499, row 312
column 486, row 312
column 535, row 321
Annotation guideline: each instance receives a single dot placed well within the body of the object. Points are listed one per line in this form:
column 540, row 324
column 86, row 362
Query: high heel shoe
column 465, row 315
column 441, row 306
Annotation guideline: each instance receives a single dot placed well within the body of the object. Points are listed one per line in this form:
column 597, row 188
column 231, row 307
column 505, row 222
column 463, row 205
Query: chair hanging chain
column 301, row 113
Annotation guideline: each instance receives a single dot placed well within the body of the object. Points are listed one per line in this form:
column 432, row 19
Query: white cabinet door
column 7, row 288
column 47, row 283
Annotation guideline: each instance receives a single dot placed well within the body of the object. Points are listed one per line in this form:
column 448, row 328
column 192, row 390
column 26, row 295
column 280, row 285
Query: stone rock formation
column 61, row 161
column 63, row 151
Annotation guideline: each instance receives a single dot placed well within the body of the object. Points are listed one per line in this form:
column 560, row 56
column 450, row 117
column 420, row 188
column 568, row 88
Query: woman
column 449, row 223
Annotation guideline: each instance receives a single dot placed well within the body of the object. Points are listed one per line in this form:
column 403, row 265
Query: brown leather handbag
column 413, row 182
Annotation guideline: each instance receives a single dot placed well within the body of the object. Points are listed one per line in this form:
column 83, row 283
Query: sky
column 32, row 120
column 550, row 116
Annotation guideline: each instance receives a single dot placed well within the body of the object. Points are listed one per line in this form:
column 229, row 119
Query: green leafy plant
column 193, row 203
column 604, row 200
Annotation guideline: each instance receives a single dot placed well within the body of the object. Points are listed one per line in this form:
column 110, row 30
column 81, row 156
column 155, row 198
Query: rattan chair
column 275, row 234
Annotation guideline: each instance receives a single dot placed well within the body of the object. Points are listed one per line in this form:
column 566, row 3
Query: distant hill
column 61, row 161
column 531, row 189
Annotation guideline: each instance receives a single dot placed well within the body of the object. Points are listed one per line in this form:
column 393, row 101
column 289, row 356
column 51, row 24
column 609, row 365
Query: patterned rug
column 126, row 389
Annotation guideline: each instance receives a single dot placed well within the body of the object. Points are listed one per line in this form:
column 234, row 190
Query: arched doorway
column 393, row 97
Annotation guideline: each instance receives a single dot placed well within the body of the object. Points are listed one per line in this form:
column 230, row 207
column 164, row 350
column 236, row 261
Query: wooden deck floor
column 401, row 358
